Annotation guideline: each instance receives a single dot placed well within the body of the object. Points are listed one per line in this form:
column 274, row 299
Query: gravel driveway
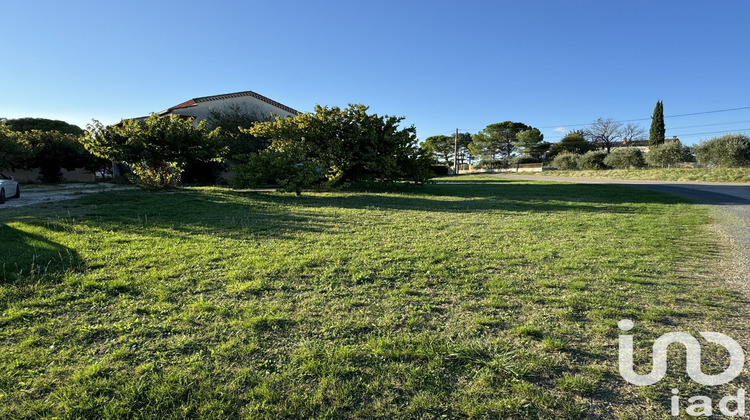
column 731, row 209
column 36, row 194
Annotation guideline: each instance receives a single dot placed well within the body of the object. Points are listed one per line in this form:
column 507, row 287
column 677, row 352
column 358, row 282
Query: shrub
column 625, row 158
column 668, row 154
column 440, row 170
column 566, row 161
column 593, row 160
column 503, row 163
column 728, row 151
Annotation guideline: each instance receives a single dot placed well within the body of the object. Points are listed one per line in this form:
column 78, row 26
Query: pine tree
column 657, row 132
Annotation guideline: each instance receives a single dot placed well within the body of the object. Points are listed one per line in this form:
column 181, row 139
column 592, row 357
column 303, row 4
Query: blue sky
column 441, row 64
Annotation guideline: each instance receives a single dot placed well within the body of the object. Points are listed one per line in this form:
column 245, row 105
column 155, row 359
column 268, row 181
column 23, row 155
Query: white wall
column 202, row 109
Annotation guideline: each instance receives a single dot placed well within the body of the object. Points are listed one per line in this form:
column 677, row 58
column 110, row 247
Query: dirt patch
column 34, row 194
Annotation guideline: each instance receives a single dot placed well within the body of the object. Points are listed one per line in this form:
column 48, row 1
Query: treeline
column 47, row 145
column 604, row 144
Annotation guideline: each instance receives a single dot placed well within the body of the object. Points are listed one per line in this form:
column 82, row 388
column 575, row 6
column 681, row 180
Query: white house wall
column 202, row 109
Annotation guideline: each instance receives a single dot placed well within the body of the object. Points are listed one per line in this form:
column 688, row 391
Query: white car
column 8, row 188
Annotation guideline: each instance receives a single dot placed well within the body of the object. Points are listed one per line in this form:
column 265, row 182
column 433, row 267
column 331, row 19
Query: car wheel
column 2, row 195
column 18, row 192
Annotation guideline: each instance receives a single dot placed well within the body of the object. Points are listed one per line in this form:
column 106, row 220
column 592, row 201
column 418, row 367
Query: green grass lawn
column 471, row 297
column 659, row 174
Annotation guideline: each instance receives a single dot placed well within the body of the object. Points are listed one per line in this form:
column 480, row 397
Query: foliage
column 155, row 177
column 42, row 124
column 491, row 163
column 605, row 132
column 657, row 131
column 574, row 142
column 342, row 145
column 593, row 160
column 292, row 173
column 668, row 154
column 159, row 147
column 497, row 139
column 566, row 161
column 730, row 150
column 238, row 144
column 659, row 174
column 441, row 147
column 52, row 151
column 14, row 149
column 531, row 143
column 624, row 158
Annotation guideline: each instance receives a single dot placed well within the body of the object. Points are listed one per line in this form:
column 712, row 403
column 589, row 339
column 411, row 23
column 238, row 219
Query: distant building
column 641, row 145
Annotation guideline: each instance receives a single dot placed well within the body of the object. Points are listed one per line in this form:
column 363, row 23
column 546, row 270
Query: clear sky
column 441, row 64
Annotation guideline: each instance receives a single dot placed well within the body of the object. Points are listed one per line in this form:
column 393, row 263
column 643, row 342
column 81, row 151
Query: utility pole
column 455, row 153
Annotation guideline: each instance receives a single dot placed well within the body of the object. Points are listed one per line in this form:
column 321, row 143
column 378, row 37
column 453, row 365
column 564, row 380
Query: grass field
column 660, row 174
column 473, row 297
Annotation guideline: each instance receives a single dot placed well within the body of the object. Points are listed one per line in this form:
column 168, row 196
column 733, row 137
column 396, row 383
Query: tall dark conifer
column 658, row 131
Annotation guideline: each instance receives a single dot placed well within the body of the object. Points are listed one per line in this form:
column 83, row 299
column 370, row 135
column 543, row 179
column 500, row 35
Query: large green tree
column 574, row 142
column 441, row 147
column 658, row 131
column 52, row 151
column 531, row 143
column 14, row 150
column 43, row 124
column 497, row 140
column 157, row 148
column 337, row 145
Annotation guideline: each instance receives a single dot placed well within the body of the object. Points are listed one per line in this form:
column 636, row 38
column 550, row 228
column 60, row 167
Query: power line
column 666, row 116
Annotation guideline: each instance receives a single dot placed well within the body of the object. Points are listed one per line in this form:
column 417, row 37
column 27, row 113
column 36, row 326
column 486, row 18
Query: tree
column 574, row 142
column 42, row 124
column 239, row 145
column 340, row 145
column 625, row 158
column 51, row 151
column 497, row 139
column 730, row 150
column 632, row 132
column 605, row 133
column 566, row 161
column 667, row 154
column 593, row 160
column 464, row 154
column 157, row 148
column 441, row 147
column 14, row 150
column 657, row 132
column 531, row 143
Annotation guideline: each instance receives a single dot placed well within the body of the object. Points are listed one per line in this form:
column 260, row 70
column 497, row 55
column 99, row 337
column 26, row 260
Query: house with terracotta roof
column 249, row 101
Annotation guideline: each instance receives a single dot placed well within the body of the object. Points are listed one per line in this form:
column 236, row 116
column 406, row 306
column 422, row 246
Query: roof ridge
column 194, row 102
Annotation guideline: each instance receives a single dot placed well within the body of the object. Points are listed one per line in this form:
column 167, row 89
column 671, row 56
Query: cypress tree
column 658, row 131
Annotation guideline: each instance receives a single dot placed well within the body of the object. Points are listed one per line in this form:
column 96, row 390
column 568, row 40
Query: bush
column 440, row 170
column 566, row 161
column 593, row 160
column 668, row 154
column 625, row 158
column 726, row 151
column 503, row 163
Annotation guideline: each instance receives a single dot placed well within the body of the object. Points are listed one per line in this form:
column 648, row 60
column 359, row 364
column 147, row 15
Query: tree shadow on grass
column 30, row 257
column 264, row 215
